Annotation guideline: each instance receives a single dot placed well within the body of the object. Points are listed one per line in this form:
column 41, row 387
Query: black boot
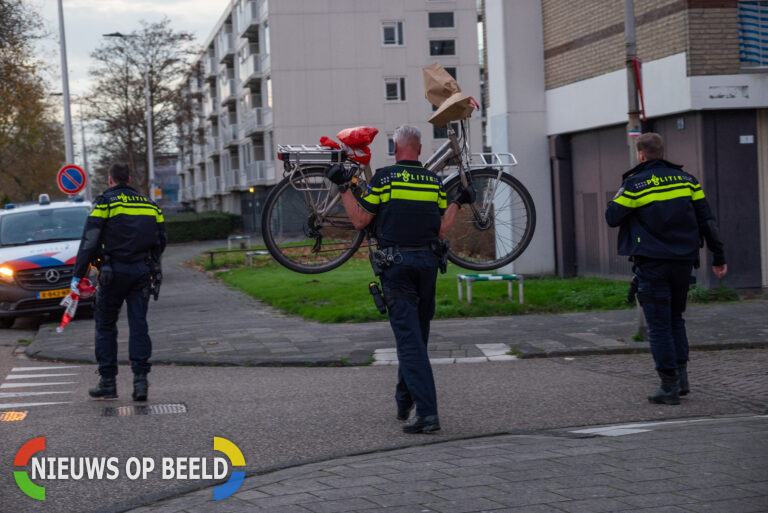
column 140, row 387
column 106, row 389
column 426, row 424
column 682, row 372
column 669, row 391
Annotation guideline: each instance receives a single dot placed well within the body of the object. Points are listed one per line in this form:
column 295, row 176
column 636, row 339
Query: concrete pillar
column 517, row 115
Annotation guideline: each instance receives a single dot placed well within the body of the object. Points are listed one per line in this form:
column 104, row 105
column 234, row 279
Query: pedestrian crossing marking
column 25, row 405
column 55, row 367
column 37, row 384
column 10, row 395
column 27, row 376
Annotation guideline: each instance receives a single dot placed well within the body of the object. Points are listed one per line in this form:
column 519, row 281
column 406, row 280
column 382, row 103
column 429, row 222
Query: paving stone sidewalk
column 201, row 320
column 685, row 466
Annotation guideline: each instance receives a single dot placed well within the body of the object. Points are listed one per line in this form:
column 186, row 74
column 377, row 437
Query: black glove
column 339, row 175
column 465, row 195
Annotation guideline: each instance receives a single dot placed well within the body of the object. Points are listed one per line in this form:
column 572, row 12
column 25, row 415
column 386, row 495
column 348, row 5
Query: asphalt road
column 282, row 416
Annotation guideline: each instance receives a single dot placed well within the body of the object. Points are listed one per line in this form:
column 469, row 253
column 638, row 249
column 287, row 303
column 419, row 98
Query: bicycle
column 306, row 228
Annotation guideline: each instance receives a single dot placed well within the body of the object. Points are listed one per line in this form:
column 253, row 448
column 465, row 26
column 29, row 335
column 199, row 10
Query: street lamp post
column 65, row 88
column 150, row 152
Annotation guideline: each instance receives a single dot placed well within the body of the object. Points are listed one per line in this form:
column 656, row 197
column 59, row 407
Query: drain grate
column 11, row 416
column 149, row 409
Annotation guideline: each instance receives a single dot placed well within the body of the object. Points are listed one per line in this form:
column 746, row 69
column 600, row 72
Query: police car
column 38, row 246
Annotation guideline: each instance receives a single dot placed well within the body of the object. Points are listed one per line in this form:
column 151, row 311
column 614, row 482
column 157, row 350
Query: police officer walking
column 663, row 216
column 125, row 230
column 411, row 212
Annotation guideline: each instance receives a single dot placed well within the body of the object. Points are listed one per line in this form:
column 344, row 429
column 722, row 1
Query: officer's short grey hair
column 405, row 133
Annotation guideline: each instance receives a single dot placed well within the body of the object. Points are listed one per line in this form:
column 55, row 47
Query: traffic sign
column 71, row 179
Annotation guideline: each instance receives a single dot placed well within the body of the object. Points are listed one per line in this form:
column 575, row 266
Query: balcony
column 198, row 190
column 211, row 66
column 199, row 154
column 229, row 90
column 251, row 68
column 256, row 120
column 261, row 172
column 229, row 132
column 212, row 144
column 234, row 179
column 214, row 186
column 226, row 47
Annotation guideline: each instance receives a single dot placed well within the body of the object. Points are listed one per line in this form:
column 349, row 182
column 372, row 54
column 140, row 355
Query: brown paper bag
column 457, row 107
column 439, row 85
column 442, row 91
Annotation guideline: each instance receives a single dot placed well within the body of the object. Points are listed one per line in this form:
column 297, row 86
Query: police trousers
column 130, row 284
column 662, row 289
column 409, row 291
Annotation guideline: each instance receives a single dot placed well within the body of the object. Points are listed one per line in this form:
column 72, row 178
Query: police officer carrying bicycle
column 125, row 234
column 410, row 210
column 663, row 219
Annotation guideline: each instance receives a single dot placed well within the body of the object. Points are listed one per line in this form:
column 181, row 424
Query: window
column 392, row 33
column 395, row 89
column 753, row 33
column 390, row 144
column 441, row 132
column 451, row 71
column 441, row 20
column 442, row 47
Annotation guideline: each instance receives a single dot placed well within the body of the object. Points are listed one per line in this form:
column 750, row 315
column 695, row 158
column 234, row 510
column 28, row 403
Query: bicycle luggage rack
column 309, row 154
column 491, row 160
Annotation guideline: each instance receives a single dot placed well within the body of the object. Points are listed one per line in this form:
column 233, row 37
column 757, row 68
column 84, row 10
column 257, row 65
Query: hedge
column 189, row 226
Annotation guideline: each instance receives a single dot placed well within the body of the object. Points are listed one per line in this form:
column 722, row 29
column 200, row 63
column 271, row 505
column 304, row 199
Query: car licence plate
column 52, row 294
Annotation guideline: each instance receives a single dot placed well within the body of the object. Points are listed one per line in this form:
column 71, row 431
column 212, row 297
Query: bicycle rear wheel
column 504, row 228
column 296, row 235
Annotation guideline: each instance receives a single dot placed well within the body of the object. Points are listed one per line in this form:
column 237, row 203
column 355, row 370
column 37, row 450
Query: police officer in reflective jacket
column 125, row 230
column 664, row 218
column 410, row 211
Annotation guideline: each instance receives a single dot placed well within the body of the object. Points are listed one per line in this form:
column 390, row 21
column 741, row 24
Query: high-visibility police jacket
column 408, row 202
column 662, row 214
column 124, row 225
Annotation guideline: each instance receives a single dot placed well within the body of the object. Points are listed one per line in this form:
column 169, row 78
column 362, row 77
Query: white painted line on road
column 27, row 376
column 37, row 384
column 56, row 367
column 12, row 395
column 492, row 352
column 24, row 405
column 630, row 429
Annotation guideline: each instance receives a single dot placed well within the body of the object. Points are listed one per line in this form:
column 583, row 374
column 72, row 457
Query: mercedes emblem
column 52, row 275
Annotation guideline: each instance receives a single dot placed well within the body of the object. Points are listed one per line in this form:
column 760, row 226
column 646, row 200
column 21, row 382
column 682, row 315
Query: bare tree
column 117, row 102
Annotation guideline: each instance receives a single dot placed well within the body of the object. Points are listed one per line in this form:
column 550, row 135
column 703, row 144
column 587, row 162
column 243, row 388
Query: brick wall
column 713, row 41
column 584, row 38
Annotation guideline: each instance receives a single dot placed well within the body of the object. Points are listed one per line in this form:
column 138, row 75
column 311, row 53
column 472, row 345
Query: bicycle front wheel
column 502, row 228
column 305, row 226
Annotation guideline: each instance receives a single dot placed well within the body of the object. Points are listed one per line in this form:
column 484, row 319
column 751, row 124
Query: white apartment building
column 290, row 71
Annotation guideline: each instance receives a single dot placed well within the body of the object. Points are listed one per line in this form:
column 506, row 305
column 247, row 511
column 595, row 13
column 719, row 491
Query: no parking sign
column 71, row 179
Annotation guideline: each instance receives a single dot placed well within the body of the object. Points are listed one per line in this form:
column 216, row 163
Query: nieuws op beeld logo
column 187, row 468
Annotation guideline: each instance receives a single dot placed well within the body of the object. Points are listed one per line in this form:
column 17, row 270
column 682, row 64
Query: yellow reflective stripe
column 654, row 196
column 698, row 195
column 137, row 211
column 136, row 204
column 663, row 187
column 407, row 194
column 97, row 212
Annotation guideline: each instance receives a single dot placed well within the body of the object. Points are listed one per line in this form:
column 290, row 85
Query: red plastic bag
column 354, row 142
column 358, row 136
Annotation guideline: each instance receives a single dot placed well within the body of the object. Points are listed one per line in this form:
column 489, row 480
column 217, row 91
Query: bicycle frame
column 297, row 158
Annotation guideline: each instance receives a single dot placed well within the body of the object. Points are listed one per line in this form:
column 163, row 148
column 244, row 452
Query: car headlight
column 6, row 274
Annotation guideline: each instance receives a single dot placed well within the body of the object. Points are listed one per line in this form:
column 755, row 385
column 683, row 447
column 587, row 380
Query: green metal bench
column 509, row 278
column 250, row 254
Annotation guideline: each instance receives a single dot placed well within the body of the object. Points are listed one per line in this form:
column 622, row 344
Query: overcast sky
column 86, row 21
